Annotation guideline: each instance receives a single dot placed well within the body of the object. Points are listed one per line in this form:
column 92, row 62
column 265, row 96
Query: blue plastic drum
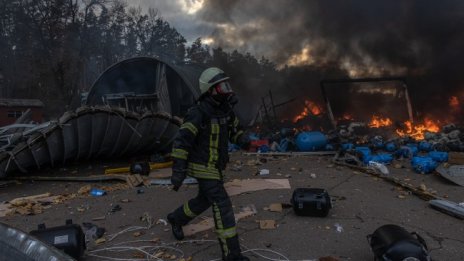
column 311, row 141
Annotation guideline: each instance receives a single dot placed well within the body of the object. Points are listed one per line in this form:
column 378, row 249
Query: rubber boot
column 235, row 254
column 176, row 228
column 236, row 257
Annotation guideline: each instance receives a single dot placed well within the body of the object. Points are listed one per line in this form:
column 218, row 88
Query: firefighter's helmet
column 211, row 77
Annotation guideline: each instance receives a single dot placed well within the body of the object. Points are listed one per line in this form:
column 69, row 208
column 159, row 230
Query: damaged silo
column 133, row 108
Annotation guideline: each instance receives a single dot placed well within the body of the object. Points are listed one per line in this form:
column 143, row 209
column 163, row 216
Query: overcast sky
column 181, row 14
column 361, row 36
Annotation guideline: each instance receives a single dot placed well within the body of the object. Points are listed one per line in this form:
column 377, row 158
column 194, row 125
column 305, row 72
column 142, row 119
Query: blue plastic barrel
column 439, row 156
column 347, row 146
column 425, row 146
column 329, row 147
column 390, row 147
column 423, row 164
column 407, row 151
column 311, row 141
column 263, row 148
column 385, row 158
column 365, row 153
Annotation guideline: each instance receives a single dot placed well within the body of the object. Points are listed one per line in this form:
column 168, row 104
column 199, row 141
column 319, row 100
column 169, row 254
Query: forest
column 53, row 50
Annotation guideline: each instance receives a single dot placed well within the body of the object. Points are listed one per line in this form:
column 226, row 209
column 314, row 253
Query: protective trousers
column 212, row 193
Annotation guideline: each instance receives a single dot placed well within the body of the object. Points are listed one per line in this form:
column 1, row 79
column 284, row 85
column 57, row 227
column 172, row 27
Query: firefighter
column 200, row 150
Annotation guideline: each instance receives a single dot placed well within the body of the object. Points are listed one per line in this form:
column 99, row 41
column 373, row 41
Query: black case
column 314, row 202
column 69, row 238
column 392, row 242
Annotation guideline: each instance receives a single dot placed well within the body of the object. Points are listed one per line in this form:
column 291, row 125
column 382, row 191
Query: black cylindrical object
column 69, row 238
column 311, row 202
column 394, row 243
column 142, row 168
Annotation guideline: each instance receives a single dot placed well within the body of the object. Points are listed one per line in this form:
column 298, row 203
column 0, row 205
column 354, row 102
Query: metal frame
column 361, row 80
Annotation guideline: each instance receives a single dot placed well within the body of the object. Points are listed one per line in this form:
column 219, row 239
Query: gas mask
column 222, row 92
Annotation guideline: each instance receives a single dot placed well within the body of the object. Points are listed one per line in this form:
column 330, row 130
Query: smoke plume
column 421, row 40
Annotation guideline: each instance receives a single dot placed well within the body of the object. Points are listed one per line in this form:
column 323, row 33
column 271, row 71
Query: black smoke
column 422, row 40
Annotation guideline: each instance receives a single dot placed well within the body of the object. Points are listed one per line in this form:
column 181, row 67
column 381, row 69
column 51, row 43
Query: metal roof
column 21, row 103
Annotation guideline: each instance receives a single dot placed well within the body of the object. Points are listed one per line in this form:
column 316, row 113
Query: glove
column 179, row 173
column 177, row 178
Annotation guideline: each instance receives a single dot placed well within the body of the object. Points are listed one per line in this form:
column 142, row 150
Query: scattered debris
column 338, row 228
column 97, row 192
column 134, row 180
column 100, row 241
column 276, row 207
column 162, row 222
column 99, row 218
column 267, row 224
column 115, row 208
column 137, row 233
column 31, row 205
column 92, row 231
column 85, row 190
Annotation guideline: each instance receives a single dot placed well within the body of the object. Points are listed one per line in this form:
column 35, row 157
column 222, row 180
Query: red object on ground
column 255, row 144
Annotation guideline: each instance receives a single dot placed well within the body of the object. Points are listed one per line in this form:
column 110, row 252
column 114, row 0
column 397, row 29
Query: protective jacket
column 201, row 145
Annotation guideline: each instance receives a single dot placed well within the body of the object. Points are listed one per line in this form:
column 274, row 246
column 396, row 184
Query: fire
column 454, row 103
column 417, row 131
column 347, row 117
column 311, row 108
column 377, row 122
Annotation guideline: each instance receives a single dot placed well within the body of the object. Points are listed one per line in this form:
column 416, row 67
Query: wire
column 255, row 251
column 123, row 249
column 152, row 249
column 113, row 236
column 146, row 217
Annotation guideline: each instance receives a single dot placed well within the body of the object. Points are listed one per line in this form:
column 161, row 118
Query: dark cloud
column 419, row 39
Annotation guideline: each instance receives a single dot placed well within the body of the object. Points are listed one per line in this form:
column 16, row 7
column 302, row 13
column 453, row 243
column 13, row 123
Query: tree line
column 55, row 49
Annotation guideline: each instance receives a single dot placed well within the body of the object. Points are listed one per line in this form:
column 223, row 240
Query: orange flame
column 347, row 116
column 310, row 108
column 417, row 131
column 454, row 103
column 377, row 122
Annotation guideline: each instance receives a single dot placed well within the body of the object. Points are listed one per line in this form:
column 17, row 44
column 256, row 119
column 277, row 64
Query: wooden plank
column 456, row 158
column 237, row 186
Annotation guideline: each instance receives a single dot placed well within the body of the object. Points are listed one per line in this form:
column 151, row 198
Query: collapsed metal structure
column 133, row 108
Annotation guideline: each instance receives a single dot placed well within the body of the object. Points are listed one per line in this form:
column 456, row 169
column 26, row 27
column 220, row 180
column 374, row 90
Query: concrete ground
column 362, row 203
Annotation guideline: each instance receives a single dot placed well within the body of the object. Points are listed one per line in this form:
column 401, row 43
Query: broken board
column 208, row 223
column 237, row 186
column 453, row 173
column 456, row 158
